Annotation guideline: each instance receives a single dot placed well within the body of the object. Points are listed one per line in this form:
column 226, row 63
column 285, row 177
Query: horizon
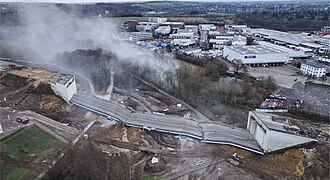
column 143, row 1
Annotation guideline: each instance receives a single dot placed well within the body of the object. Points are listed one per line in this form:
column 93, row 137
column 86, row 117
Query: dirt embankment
column 310, row 161
column 22, row 93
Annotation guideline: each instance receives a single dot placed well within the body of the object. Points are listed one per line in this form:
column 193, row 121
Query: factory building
column 238, row 28
column 174, row 25
column 293, row 52
column 163, row 30
column 157, row 20
column 191, row 28
column 303, row 40
column 326, row 29
column 206, row 27
column 147, row 26
column 65, row 86
column 312, row 68
column 183, row 42
column 238, row 40
column 284, row 37
column 256, row 55
column 140, row 36
column 217, row 43
column 271, row 135
column 182, row 36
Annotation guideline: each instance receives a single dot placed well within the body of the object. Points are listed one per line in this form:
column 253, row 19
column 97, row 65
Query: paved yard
column 285, row 76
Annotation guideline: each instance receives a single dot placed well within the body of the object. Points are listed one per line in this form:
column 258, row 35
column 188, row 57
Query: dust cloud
column 48, row 30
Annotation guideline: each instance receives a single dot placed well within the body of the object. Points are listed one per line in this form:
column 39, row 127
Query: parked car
column 22, row 121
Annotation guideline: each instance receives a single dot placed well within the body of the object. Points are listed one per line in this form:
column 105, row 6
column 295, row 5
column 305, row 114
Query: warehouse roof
column 255, row 49
column 284, row 36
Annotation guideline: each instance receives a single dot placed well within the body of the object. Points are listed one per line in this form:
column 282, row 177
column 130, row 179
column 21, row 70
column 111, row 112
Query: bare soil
column 29, row 89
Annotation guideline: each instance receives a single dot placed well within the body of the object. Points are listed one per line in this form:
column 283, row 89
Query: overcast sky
column 93, row 1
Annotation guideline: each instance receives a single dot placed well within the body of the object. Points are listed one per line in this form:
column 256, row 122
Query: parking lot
column 8, row 121
column 285, row 76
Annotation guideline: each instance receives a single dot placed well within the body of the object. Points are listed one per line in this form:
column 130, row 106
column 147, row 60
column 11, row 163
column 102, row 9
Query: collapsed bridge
column 206, row 132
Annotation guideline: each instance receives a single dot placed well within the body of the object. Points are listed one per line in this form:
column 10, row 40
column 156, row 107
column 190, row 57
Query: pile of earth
column 22, row 93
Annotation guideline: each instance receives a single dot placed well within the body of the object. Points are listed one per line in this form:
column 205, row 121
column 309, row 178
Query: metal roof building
column 256, row 55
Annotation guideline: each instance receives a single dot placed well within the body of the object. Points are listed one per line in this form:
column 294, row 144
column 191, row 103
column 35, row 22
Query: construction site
column 83, row 144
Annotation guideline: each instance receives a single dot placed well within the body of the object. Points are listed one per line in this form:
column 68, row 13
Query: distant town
column 165, row 90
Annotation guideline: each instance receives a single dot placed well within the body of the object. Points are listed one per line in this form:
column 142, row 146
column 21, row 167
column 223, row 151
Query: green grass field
column 25, row 142
column 17, row 173
column 31, row 140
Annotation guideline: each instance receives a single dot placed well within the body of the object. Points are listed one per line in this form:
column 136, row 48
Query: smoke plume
column 48, row 30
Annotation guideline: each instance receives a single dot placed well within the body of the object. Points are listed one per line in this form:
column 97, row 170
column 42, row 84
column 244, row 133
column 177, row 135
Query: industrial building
column 312, row 68
column 191, row 28
column 163, row 30
column 183, row 42
column 256, row 55
column 283, row 38
column 326, row 29
column 65, row 86
column 182, row 36
column 157, row 20
column 235, row 27
column 293, row 52
column 206, row 27
column 271, row 135
column 147, row 26
column 140, row 36
column 174, row 25
column 238, row 40
column 287, row 38
column 217, row 43
column 325, row 60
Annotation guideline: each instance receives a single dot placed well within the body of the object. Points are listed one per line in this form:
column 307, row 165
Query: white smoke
column 47, row 30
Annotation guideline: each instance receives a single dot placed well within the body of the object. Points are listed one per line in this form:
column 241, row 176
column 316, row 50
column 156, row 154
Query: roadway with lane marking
column 209, row 132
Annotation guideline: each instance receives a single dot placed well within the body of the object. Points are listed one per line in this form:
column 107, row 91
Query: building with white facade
column 218, row 43
column 147, row 26
column 140, row 36
column 65, row 86
column 183, row 42
column 313, row 69
column 207, row 27
column 157, row 20
column 182, row 36
column 235, row 27
column 174, row 25
column 326, row 29
column 191, row 28
column 325, row 60
column 271, row 135
column 293, row 52
column 238, row 40
column 163, row 30
column 256, row 55
column 313, row 42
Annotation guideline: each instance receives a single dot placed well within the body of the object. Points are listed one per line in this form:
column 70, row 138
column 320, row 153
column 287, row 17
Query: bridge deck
column 207, row 132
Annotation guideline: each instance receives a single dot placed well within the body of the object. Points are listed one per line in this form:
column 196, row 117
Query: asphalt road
column 205, row 131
